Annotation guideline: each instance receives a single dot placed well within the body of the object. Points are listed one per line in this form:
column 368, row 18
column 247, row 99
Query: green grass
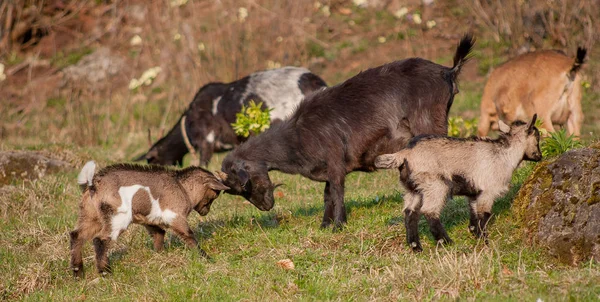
column 367, row 260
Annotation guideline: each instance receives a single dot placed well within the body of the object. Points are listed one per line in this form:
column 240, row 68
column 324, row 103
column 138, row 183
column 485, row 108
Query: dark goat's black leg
column 328, row 215
column 437, row 230
column 482, row 225
column 411, row 222
column 339, row 209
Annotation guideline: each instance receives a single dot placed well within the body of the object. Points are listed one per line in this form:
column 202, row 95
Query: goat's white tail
column 390, row 161
column 87, row 174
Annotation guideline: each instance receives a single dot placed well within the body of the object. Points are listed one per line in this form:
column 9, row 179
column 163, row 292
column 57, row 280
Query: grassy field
column 368, row 260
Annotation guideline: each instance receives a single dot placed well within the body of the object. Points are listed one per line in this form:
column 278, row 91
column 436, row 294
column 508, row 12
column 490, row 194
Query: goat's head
column 528, row 134
column 214, row 186
column 251, row 180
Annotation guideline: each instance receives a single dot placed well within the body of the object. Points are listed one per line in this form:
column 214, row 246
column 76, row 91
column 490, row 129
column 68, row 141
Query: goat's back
column 376, row 111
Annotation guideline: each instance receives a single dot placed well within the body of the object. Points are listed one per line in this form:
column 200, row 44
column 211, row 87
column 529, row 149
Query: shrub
column 252, row 120
column 558, row 143
column 459, row 127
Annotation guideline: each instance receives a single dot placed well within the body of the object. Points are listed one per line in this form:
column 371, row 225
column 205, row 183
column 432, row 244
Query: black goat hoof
column 416, row 247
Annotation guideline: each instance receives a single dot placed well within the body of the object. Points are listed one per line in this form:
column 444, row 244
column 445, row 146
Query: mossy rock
column 28, row 165
column 558, row 207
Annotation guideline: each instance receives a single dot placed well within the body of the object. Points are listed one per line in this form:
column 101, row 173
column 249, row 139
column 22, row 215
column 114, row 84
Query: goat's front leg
column 328, row 215
column 181, row 227
column 158, row 235
column 481, row 212
column 101, row 249
column 336, row 191
column 412, row 205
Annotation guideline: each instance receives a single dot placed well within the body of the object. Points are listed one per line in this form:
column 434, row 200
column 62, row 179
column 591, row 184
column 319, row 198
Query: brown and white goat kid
column 434, row 168
column 154, row 196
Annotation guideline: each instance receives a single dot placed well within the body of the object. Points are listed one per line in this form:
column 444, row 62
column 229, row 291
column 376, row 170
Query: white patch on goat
column 210, row 138
column 215, row 104
column 278, row 89
column 124, row 215
column 157, row 215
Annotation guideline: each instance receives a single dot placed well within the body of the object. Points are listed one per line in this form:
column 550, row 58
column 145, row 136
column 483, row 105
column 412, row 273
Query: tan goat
column 156, row 197
column 435, row 168
column 545, row 82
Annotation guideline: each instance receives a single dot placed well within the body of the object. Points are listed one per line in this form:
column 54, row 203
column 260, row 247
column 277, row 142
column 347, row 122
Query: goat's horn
column 220, row 175
column 186, row 140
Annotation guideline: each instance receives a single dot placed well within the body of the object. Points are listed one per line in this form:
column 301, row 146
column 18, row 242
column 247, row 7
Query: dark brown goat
column 208, row 119
column 344, row 128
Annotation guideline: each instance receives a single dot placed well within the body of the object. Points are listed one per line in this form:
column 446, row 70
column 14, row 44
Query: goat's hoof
column 416, row 247
column 338, row 227
column 78, row 272
column 325, row 224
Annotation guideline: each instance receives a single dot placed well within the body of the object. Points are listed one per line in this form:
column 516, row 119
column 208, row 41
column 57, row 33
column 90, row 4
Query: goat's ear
column 503, row 127
column 532, row 123
column 216, row 185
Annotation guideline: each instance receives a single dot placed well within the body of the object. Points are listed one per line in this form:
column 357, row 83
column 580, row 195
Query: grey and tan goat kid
column 434, row 168
column 156, row 197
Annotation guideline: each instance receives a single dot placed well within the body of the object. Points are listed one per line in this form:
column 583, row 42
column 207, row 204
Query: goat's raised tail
column 390, row 161
column 84, row 179
column 581, row 52
column 461, row 56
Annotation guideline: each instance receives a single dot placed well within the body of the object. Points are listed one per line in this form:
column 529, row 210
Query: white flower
column 431, row 23
column 201, row 46
column 177, row 37
column 325, row 10
column 360, row 2
column 401, row 13
column 273, row 64
column 2, row 75
column 242, row 14
column 381, row 39
column 177, row 3
column 135, row 41
column 145, row 79
column 417, row 19
column 279, row 39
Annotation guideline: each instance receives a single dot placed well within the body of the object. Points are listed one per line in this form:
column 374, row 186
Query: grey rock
column 559, row 206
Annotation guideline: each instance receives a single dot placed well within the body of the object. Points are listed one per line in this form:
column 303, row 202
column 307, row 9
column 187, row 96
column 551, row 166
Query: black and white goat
column 156, row 197
column 434, row 168
column 344, row 128
column 206, row 125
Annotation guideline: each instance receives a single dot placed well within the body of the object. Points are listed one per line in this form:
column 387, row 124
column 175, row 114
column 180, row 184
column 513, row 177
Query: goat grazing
column 154, row 196
column 206, row 124
column 343, row 128
column 545, row 82
column 434, row 168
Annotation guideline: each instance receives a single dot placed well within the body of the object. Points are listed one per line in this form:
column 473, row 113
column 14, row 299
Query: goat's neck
column 278, row 150
column 512, row 154
column 193, row 188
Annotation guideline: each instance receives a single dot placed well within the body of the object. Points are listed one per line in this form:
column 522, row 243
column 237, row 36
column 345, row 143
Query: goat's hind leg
column 158, row 235
column 76, row 258
column 434, row 199
column 412, row 204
